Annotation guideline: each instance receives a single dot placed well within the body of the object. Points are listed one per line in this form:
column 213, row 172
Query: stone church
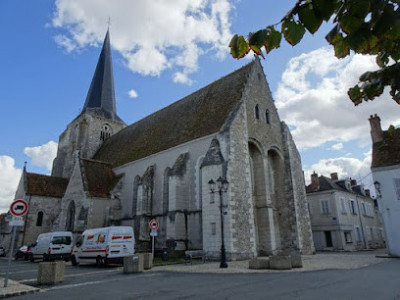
column 108, row 173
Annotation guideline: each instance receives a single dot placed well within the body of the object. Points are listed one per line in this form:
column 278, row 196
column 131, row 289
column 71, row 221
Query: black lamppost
column 222, row 187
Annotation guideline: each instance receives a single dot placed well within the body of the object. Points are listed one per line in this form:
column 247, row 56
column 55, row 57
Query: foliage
column 362, row 26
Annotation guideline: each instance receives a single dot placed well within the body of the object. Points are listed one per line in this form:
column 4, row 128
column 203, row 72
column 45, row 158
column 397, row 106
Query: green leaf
column 274, row 38
column 310, row 21
column 362, row 40
column 355, row 95
column 358, row 8
column 332, row 34
column 239, row 46
column 342, row 48
column 350, row 23
column 324, row 8
column 382, row 59
column 293, row 31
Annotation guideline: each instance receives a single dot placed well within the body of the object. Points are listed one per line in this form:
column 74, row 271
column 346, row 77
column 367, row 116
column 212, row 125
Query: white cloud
column 312, row 99
column 133, row 94
column 152, row 36
column 42, row 156
column 9, row 178
column 345, row 167
column 338, row 146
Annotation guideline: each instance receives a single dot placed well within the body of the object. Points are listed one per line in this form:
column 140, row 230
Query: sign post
column 153, row 226
column 18, row 208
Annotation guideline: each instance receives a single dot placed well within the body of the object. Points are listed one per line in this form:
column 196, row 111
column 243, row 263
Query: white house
column 385, row 169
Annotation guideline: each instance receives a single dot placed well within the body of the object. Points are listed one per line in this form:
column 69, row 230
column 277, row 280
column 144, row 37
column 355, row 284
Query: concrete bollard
column 259, row 263
column 148, row 261
column 132, row 264
column 51, row 272
column 280, row 262
column 295, row 258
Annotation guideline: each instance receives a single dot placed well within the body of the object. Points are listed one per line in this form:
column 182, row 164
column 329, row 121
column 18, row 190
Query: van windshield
column 57, row 240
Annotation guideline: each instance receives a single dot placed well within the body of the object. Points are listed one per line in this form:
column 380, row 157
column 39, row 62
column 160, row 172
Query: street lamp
column 222, row 187
column 377, row 185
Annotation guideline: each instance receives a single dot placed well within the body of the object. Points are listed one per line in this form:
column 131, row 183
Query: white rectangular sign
column 17, row 221
column 153, row 233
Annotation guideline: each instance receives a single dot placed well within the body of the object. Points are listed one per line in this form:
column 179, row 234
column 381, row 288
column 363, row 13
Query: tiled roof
column 387, row 152
column 98, row 178
column 325, row 184
column 43, row 185
column 199, row 114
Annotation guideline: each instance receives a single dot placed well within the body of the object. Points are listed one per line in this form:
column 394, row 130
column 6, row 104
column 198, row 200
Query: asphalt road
column 380, row 281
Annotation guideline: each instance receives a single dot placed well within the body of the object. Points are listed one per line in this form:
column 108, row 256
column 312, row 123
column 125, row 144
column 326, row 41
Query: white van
column 52, row 245
column 104, row 245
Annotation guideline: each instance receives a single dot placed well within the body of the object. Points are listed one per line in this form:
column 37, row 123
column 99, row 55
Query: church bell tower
column 97, row 121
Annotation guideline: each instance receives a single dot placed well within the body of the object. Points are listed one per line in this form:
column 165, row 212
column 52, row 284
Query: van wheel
column 98, row 261
column 73, row 261
column 105, row 261
column 31, row 258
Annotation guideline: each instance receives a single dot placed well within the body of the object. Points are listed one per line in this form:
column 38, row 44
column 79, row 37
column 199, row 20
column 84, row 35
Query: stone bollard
column 51, row 272
column 280, row 262
column 259, row 263
column 132, row 264
column 148, row 261
column 295, row 258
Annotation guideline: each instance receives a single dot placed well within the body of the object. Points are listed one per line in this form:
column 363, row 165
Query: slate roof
column 100, row 99
column 200, row 114
column 325, row 184
column 387, row 152
column 43, row 185
column 98, row 178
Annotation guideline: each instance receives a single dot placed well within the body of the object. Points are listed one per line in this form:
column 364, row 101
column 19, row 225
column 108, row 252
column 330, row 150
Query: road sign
column 153, row 224
column 153, row 233
column 17, row 221
column 19, row 208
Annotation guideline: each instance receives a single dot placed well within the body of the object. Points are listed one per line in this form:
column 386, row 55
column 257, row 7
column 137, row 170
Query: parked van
column 52, row 245
column 104, row 245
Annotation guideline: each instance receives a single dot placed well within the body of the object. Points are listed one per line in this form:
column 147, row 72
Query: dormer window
column 105, row 132
column 257, row 112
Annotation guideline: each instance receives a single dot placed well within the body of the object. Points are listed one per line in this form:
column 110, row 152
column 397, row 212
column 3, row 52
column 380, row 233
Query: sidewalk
column 319, row 261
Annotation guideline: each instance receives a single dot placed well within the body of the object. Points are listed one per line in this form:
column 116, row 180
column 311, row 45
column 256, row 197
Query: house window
column 347, row 237
column 396, row 182
column 39, row 218
column 267, row 116
column 213, row 228
column 105, row 132
column 358, row 234
column 364, row 209
column 257, row 112
column 325, row 207
column 343, row 205
column 352, row 205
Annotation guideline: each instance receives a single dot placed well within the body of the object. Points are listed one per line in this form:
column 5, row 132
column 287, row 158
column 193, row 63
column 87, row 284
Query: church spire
column 101, row 94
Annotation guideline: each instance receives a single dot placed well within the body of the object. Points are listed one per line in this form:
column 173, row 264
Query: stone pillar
column 51, row 272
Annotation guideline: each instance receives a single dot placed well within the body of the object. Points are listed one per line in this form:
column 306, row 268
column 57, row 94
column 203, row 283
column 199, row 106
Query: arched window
column 39, row 218
column 267, row 116
column 106, row 132
column 257, row 112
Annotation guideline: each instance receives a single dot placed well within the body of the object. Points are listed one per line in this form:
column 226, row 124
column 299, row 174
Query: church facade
column 108, row 173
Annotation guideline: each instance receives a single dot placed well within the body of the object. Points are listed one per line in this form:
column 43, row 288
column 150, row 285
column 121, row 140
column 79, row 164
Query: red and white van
column 104, row 245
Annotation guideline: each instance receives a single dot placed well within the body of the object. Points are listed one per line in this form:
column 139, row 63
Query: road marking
column 95, row 282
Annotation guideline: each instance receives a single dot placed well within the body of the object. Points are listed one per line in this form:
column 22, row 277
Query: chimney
column 367, row 193
column 334, row 176
column 314, row 182
column 376, row 129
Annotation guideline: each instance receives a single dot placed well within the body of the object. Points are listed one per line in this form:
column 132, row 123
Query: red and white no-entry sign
column 153, row 224
column 19, row 208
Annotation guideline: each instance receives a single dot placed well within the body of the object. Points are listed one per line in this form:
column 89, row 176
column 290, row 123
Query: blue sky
column 162, row 51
